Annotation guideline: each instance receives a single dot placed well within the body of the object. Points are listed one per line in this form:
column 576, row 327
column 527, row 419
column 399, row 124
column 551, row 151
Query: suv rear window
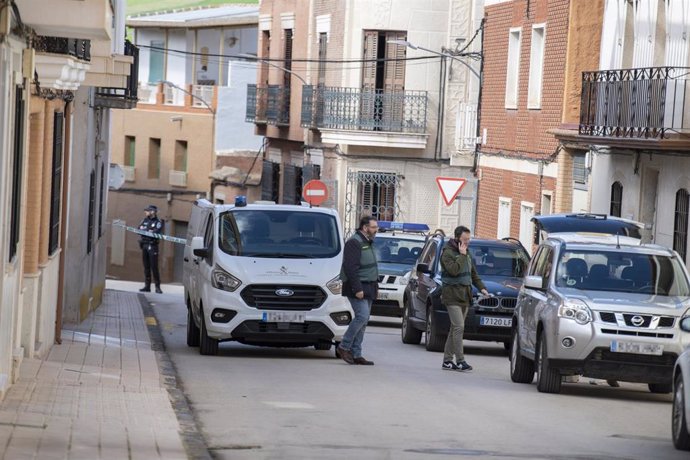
column 620, row 272
column 586, row 224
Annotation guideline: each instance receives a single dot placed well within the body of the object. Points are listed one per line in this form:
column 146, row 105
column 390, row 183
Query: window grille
column 680, row 224
column 616, row 199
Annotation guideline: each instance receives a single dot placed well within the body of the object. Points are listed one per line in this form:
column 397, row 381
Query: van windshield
column 622, row 272
column 281, row 234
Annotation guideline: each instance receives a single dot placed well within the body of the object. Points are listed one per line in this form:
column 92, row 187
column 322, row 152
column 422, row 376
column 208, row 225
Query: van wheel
column 192, row 328
column 409, row 333
column 207, row 345
column 433, row 340
column 660, row 388
column 521, row 368
column 548, row 379
column 679, row 424
column 323, row 346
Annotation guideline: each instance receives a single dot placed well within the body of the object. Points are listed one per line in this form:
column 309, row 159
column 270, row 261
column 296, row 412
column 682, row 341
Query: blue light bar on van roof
column 386, row 226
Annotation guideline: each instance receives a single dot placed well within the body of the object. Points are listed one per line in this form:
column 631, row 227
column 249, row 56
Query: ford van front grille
column 283, row 297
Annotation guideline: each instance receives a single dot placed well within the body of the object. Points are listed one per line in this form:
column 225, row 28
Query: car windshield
column 274, row 233
column 622, row 272
column 397, row 250
column 498, row 260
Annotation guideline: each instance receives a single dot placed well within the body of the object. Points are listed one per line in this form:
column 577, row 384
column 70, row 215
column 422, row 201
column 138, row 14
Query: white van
column 264, row 274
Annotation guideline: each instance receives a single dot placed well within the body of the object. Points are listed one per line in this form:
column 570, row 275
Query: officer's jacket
column 153, row 225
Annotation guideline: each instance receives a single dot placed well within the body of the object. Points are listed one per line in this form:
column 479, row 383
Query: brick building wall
column 521, row 133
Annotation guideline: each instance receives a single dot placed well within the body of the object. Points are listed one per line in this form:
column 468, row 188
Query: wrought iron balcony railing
column 80, row 49
column 123, row 98
column 268, row 104
column 647, row 103
column 359, row 109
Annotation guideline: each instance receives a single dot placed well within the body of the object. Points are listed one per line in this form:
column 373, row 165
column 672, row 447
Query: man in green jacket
column 457, row 276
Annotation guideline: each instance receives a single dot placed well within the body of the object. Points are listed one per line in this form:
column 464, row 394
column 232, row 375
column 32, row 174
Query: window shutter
column 394, row 75
column 289, row 184
column 371, row 39
column 267, row 181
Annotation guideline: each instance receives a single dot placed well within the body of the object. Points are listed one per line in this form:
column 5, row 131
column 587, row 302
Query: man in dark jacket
column 360, row 276
column 457, row 276
column 149, row 248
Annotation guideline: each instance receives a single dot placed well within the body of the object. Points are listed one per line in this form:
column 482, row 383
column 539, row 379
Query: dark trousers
column 149, row 255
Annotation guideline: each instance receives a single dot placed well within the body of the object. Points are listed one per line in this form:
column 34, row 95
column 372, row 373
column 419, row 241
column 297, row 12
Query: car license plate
column 283, row 316
column 620, row 346
column 382, row 295
column 495, row 321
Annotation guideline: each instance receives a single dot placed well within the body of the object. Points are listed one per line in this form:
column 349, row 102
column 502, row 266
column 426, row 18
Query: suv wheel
column 521, row 368
column 207, row 345
column 679, row 424
column 409, row 333
column 433, row 340
column 192, row 328
column 661, row 388
column 548, row 379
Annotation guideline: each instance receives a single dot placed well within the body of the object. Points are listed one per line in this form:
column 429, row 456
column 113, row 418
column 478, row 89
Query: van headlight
column 576, row 310
column 404, row 279
column 335, row 285
column 220, row 279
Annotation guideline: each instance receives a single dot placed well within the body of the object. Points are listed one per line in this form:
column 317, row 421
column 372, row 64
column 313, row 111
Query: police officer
column 149, row 248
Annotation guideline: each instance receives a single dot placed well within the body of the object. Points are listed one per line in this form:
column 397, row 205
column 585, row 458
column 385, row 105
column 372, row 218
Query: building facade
column 634, row 120
column 522, row 98
column 369, row 97
column 187, row 135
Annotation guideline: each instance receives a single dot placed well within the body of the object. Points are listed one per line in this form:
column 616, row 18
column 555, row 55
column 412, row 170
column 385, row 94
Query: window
column 323, row 45
column 376, row 195
column 503, row 227
column 154, row 158
column 180, row 163
column 288, row 58
column 616, row 199
column 513, row 68
column 92, row 206
column 526, row 225
column 536, row 67
column 17, row 171
column 580, row 172
column 270, row 181
column 546, row 199
column 156, row 61
column 266, row 53
column 56, row 188
column 130, row 149
column 101, row 200
column 680, row 223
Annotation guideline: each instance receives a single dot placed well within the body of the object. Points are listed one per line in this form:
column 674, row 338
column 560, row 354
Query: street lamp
column 257, row 58
column 166, row 82
column 438, row 53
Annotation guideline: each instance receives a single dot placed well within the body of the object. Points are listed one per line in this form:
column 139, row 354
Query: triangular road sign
column 450, row 187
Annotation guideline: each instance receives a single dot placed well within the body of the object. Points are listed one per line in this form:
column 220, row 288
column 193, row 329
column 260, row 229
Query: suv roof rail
column 588, row 215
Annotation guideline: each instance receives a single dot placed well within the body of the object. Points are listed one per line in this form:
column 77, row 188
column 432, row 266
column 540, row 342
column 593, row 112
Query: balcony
column 120, row 96
column 87, row 19
column 359, row 117
column 62, row 63
column 268, row 105
column 636, row 108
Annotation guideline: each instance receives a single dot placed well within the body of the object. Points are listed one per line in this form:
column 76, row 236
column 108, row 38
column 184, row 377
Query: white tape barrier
column 172, row 239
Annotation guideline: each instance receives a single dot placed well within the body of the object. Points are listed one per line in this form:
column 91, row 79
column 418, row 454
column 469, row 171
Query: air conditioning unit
column 177, row 178
column 130, row 173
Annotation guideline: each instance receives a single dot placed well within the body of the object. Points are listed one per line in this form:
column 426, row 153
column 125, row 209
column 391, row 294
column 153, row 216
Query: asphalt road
column 253, row 402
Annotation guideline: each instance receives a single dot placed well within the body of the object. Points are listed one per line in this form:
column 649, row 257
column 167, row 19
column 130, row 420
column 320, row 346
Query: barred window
column 680, row 223
column 616, row 199
column 376, row 195
column 580, row 173
column 56, row 186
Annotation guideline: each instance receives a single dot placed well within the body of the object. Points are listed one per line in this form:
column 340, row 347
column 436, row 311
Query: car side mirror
column 685, row 324
column 534, row 282
column 198, row 248
column 423, row 268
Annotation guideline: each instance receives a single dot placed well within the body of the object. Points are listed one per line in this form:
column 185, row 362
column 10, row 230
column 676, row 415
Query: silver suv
column 601, row 306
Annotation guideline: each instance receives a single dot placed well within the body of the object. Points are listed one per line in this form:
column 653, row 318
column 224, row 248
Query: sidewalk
column 99, row 394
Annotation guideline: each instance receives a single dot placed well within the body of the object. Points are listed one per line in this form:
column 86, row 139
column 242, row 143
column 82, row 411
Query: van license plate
column 620, row 346
column 283, row 316
column 495, row 321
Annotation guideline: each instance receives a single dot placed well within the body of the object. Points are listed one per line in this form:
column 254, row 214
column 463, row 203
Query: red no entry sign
column 315, row 192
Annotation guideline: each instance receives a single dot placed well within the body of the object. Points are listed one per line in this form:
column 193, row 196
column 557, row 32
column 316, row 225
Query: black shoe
column 158, row 290
column 463, row 366
column 346, row 355
column 363, row 361
column 449, row 366
column 145, row 289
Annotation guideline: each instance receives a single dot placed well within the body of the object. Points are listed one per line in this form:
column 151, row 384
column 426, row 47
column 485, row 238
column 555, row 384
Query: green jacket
column 455, row 268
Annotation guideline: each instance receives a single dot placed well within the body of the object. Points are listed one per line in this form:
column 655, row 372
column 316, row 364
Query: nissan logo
column 637, row 320
column 284, row 292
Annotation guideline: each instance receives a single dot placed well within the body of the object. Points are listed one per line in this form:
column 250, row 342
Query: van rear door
column 196, row 226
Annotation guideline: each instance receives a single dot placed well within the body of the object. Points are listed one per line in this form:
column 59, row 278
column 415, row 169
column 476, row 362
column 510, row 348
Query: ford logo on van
column 284, row 292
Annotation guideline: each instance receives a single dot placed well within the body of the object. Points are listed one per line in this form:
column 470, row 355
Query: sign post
column 315, row 192
column 450, row 188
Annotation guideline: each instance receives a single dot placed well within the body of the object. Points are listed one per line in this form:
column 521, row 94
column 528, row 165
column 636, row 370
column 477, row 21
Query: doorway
column 648, row 197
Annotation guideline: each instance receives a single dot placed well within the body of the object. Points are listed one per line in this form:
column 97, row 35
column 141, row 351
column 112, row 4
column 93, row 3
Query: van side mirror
column 685, row 324
column 534, row 282
column 198, row 248
column 423, row 268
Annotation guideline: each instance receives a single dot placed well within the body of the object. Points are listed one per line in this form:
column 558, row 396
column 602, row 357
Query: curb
column 192, row 439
